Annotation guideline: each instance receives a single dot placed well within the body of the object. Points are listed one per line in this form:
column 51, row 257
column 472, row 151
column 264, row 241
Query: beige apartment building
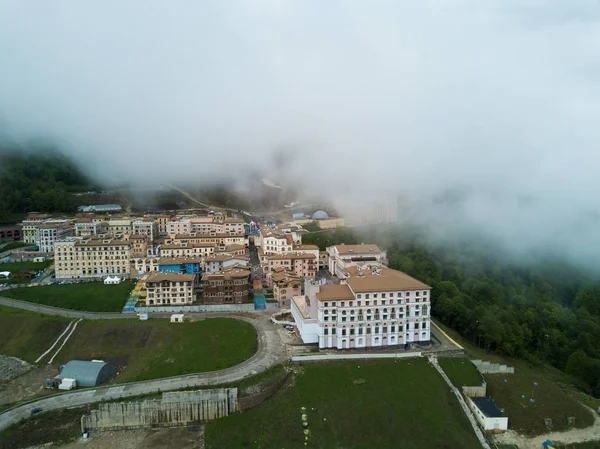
column 168, row 288
column 75, row 258
column 187, row 250
column 175, row 227
column 212, row 237
column 139, row 245
column 121, row 226
column 285, row 286
column 301, row 264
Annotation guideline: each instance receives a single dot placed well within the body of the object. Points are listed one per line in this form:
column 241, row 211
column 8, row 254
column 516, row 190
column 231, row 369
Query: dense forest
column 40, row 181
column 543, row 311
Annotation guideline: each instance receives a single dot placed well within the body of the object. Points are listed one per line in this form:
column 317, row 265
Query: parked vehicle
column 35, row 411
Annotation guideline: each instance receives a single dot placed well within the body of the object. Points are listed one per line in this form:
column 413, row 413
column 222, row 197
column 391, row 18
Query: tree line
column 41, row 181
column 546, row 311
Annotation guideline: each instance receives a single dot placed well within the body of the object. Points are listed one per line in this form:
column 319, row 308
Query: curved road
column 270, row 352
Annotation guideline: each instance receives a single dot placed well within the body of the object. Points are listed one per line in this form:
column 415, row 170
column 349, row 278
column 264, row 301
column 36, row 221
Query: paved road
column 270, row 352
column 56, row 311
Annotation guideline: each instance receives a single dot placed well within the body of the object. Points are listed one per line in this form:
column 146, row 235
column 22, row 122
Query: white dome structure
column 320, row 215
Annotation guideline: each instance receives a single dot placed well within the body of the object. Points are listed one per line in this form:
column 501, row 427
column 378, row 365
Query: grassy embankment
column 553, row 398
column 140, row 350
column 358, row 404
column 88, row 296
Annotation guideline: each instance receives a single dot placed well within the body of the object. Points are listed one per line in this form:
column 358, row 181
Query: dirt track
column 175, row 438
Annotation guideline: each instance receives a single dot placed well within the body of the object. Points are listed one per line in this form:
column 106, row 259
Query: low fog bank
column 478, row 115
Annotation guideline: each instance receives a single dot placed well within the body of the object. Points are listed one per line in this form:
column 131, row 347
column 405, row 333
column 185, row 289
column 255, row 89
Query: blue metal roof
column 488, row 407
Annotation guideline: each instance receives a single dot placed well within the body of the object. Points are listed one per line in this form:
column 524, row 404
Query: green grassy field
column 551, row 401
column 26, row 334
column 156, row 348
column 15, row 267
column 460, row 371
column 383, row 404
column 88, row 296
column 140, row 350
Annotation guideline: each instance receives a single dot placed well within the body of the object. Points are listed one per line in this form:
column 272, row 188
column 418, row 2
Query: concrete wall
column 492, row 368
column 174, row 409
column 475, row 391
column 203, row 308
column 386, row 355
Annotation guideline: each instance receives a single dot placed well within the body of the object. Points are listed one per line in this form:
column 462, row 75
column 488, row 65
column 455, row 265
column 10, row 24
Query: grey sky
column 497, row 97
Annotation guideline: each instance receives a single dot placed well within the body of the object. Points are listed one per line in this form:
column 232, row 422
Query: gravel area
column 11, row 367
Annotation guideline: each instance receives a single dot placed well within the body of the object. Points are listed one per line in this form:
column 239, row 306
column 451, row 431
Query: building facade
column 342, row 257
column 50, row 231
column 149, row 228
column 91, row 258
column 373, row 307
column 230, row 286
column 303, row 265
column 285, row 286
column 86, row 228
column 165, row 288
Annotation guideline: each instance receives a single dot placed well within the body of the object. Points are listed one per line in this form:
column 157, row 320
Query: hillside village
column 341, row 301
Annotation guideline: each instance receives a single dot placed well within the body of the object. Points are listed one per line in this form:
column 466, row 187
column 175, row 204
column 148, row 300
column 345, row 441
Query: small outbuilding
column 487, row 413
column 4, row 274
column 87, row 374
column 177, row 318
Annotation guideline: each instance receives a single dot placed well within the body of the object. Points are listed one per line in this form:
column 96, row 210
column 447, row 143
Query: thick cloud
column 493, row 99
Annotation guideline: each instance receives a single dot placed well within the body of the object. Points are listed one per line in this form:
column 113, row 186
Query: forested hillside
column 38, row 181
column 542, row 311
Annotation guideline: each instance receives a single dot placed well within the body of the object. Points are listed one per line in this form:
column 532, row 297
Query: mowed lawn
column 460, row 371
column 27, row 335
column 140, row 350
column 88, row 296
column 377, row 404
column 15, row 267
column 143, row 350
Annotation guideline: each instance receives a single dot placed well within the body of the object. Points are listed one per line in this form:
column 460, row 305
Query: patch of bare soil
column 172, row 438
column 27, row 386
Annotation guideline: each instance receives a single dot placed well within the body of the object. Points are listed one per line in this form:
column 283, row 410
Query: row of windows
column 368, row 303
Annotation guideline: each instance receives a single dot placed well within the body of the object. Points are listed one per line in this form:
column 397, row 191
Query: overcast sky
column 497, row 98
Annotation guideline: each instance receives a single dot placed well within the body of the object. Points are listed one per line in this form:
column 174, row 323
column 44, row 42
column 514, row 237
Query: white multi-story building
column 87, row 228
column 50, row 231
column 342, row 257
column 147, row 228
column 373, row 307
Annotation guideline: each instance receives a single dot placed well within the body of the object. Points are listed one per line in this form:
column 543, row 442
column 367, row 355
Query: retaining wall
column 475, row 391
column 203, row 308
column 174, row 409
column 311, row 358
column 492, row 368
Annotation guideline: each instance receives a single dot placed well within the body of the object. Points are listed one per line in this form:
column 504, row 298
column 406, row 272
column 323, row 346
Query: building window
column 326, row 331
column 358, row 297
column 367, row 297
column 374, row 295
column 383, row 295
